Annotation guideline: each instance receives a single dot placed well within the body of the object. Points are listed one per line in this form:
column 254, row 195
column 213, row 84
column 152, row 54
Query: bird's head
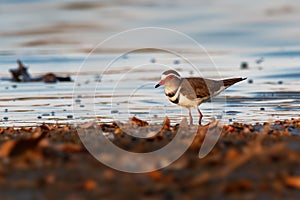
column 169, row 78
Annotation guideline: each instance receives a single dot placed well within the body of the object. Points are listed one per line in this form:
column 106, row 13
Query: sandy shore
column 248, row 161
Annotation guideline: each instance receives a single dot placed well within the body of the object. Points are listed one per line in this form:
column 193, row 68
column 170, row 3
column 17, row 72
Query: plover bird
column 191, row 92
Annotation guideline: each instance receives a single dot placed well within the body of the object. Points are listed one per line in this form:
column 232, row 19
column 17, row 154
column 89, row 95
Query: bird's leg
column 200, row 116
column 190, row 115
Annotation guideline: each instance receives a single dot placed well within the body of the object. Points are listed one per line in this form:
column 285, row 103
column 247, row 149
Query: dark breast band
column 176, row 100
column 171, row 94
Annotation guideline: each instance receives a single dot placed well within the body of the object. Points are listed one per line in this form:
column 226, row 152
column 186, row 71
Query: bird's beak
column 159, row 84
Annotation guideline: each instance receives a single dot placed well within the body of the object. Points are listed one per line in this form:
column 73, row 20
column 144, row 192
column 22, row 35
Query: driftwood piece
column 21, row 75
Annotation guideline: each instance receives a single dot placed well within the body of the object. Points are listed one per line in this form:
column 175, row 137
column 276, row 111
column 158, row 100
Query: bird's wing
column 205, row 88
column 200, row 88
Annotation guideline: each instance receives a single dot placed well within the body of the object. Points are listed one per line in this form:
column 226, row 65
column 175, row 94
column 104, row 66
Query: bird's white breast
column 186, row 102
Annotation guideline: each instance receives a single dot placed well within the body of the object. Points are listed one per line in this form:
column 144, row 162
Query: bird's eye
column 170, row 77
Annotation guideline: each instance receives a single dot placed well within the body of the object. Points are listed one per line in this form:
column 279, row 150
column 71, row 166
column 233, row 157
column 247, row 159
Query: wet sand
column 58, row 36
column 248, row 161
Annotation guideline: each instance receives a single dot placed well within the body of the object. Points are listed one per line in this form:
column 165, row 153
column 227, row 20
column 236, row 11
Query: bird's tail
column 231, row 81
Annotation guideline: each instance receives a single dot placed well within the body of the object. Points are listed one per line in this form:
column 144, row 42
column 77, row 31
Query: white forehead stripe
column 163, row 76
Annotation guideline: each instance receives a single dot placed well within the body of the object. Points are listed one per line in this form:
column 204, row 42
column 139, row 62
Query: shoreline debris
column 21, row 74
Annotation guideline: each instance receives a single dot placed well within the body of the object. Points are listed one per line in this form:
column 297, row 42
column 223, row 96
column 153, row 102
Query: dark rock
column 176, row 62
column 69, row 116
column 244, row 65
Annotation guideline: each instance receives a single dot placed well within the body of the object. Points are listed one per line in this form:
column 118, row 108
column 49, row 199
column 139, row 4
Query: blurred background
column 40, row 26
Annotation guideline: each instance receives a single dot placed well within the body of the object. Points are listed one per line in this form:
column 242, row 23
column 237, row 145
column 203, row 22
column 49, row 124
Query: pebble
column 250, row 81
column 153, row 60
column 176, row 62
column 5, row 118
column 280, row 82
column 5, row 110
column 114, row 111
column 90, row 185
column 39, row 117
column 52, row 113
column 244, row 65
column 260, row 60
column 14, row 86
column 118, row 131
column 293, row 181
column 98, row 78
column 69, row 116
column 45, row 114
column 262, row 109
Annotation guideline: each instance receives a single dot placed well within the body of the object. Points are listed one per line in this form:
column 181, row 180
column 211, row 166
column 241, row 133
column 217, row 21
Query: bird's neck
column 172, row 87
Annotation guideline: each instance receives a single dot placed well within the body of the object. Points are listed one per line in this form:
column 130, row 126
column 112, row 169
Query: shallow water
column 56, row 37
